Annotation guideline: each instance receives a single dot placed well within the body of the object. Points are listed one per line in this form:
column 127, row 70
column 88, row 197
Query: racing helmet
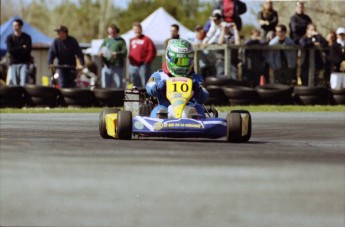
column 179, row 57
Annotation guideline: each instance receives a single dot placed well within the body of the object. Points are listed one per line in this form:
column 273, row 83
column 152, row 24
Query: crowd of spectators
column 225, row 24
column 223, row 27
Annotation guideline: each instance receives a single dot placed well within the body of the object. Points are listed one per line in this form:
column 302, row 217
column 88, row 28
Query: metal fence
column 241, row 49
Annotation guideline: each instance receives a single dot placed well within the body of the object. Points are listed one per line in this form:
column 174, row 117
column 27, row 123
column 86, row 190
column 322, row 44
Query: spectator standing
column 254, row 64
column 229, row 35
column 334, row 55
column 341, row 36
column 65, row 48
column 231, row 11
column 174, row 31
column 283, row 62
column 113, row 52
column 213, row 58
column 196, row 41
column 142, row 52
column 311, row 39
column 19, row 47
column 268, row 20
column 299, row 22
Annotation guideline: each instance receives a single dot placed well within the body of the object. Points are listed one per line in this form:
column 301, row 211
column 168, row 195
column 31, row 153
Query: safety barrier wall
column 221, row 93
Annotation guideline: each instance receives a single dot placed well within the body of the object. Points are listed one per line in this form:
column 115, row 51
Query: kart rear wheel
column 239, row 126
column 124, row 125
column 102, row 126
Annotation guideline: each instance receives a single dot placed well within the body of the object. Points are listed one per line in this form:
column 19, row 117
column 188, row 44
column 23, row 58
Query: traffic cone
column 262, row 80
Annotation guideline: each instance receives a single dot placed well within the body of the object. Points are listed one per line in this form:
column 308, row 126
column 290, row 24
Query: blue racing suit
column 153, row 88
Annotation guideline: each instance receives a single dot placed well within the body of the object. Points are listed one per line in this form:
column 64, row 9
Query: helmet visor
column 181, row 60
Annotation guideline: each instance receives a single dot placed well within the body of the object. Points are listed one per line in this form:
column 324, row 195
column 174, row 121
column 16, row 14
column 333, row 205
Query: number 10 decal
column 183, row 87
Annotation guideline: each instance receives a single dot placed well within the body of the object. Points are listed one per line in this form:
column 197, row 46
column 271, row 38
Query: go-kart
column 177, row 122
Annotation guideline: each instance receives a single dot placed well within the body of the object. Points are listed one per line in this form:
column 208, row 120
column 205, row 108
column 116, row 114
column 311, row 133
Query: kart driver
column 179, row 63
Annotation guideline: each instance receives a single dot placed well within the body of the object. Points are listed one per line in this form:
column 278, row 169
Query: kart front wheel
column 102, row 126
column 239, row 126
column 124, row 125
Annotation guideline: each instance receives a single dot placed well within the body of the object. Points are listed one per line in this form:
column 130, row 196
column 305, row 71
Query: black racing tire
column 338, row 91
column 13, row 96
column 124, row 125
column 339, row 99
column 312, row 99
column 312, row 95
column 78, row 97
column 241, row 102
column 338, row 96
column 110, row 97
column 222, row 81
column 234, row 127
column 304, row 90
column 248, row 96
column 216, row 96
column 249, row 129
column 101, row 125
column 278, row 94
column 239, row 95
column 215, row 81
column 240, row 92
column 42, row 95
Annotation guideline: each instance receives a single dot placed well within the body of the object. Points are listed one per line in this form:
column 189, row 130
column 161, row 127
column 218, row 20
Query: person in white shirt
column 341, row 36
column 215, row 30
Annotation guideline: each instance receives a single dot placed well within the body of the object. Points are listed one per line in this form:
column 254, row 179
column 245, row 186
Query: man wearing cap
column 209, row 22
column 19, row 48
column 341, row 36
column 65, row 48
column 213, row 33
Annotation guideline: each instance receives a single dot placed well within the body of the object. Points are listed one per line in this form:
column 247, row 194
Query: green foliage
column 88, row 19
column 188, row 12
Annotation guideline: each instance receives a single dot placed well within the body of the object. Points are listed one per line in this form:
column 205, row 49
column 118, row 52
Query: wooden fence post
column 311, row 71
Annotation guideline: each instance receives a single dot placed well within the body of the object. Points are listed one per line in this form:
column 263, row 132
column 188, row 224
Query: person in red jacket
column 142, row 51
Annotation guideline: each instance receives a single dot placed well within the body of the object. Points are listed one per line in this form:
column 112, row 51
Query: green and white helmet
column 179, row 57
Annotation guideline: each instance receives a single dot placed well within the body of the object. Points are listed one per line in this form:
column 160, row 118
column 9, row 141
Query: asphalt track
column 56, row 171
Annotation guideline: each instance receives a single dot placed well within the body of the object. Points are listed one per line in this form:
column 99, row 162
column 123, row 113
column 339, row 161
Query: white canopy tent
column 156, row 26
